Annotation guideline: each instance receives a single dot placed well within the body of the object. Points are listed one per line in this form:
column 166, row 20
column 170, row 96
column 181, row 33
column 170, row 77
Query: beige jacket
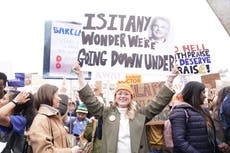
column 47, row 133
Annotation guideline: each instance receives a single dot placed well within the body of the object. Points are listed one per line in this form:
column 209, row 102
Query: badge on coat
column 112, row 118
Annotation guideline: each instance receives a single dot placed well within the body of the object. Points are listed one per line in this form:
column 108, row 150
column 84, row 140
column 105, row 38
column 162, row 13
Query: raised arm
column 172, row 76
column 79, row 73
column 87, row 95
column 5, row 111
column 164, row 96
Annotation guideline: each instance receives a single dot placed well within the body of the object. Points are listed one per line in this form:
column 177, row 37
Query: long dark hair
column 191, row 93
column 27, row 109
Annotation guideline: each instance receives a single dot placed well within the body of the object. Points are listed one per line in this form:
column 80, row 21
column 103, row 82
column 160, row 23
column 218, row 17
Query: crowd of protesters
column 52, row 122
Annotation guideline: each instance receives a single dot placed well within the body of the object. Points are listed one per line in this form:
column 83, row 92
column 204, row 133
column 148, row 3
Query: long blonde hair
column 131, row 111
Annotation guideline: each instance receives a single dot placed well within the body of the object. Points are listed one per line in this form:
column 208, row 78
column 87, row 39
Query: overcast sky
column 22, row 27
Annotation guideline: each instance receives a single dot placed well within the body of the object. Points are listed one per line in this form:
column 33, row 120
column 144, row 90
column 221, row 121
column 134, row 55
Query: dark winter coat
column 191, row 136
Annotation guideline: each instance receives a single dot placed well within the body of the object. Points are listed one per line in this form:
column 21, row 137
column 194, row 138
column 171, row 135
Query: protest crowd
column 50, row 121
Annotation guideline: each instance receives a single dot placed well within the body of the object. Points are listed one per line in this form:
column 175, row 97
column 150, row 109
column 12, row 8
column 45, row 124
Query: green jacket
column 88, row 136
column 110, row 129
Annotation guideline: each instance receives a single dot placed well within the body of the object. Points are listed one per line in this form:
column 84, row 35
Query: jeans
column 155, row 151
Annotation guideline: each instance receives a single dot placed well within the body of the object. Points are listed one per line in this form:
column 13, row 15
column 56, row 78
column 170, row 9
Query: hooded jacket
column 47, row 133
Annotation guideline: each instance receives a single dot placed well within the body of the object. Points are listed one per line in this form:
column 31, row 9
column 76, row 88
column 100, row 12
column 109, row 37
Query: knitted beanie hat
column 82, row 108
column 124, row 86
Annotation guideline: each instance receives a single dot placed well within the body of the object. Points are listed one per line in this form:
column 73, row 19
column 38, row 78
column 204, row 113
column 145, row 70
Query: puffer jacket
column 190, row 136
